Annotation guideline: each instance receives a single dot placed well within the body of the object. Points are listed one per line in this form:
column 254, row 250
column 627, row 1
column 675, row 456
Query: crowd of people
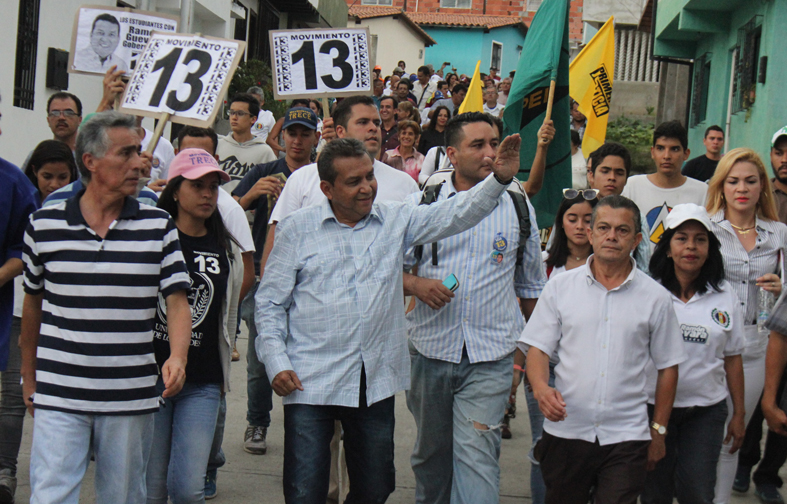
column 387, row 246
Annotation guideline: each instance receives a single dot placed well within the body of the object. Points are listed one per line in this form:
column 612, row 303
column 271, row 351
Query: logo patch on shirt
column 694, row 333
column 721, row 317
column 500, row 243
column 497, row 257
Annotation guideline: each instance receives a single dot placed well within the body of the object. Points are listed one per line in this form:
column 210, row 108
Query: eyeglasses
column 238, row 113
column 588, row 194
column 58, row 113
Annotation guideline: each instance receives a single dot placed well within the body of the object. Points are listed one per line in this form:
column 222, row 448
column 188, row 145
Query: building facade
column 394, row 36
column 738, row 65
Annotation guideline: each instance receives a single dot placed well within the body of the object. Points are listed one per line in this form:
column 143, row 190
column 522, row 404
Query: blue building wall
column 463, row 47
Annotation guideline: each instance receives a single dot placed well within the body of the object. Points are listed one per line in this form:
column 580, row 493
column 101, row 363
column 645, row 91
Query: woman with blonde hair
column 743, row 217
column 404, row 157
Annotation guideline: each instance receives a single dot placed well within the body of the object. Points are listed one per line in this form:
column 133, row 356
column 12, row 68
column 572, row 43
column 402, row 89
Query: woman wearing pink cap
column 185, row 424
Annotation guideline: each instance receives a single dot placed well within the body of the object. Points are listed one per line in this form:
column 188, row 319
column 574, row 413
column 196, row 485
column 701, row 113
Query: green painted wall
column 769, row 112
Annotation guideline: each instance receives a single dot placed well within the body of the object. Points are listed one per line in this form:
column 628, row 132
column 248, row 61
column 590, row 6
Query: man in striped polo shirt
column 461, row 350
column 95, row 266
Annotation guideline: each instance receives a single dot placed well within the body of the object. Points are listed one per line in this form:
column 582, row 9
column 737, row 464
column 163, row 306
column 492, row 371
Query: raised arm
column 536, row 179
column 429, row 223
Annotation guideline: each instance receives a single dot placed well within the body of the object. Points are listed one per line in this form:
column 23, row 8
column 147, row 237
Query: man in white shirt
column 265, row 119
column 596, row 428
column 657, row 193
column 423, row 88
column 490, row 102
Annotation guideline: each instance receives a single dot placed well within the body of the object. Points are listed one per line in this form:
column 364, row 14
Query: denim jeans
column 61, row 452
column 458, row 409
column 217, row 458
column 368, row 443
column 693, row 444
column 12, row 406
column 183, row 435
column 258, row 386
column 538, row 489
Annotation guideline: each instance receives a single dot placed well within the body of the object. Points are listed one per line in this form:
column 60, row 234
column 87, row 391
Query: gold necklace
column 742, row 230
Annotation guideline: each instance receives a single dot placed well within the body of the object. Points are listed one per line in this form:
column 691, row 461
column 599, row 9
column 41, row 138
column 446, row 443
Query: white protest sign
column 107, row 36
column 320, row 63
column 182, row 75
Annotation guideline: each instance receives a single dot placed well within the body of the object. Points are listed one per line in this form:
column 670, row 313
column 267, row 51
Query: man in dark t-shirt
column 258, row 191
column 703, row 167
column 263, row 184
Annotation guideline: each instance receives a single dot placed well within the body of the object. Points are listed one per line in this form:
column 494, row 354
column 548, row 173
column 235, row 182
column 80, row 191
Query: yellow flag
column 474, row 100
column 590, row 84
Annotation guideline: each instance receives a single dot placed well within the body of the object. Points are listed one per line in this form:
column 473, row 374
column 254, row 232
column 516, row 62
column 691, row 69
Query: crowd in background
column 379, row 246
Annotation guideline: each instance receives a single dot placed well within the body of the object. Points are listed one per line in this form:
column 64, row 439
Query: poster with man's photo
column 107, row 36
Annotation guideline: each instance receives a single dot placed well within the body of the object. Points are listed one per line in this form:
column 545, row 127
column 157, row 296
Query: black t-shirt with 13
column 208, row 268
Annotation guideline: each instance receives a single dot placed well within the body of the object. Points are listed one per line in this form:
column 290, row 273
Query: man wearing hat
column 258, row 191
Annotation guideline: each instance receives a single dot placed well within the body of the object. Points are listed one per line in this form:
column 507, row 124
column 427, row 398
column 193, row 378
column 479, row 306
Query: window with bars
column 497, row 55
column 456, row 4
column 26, row 51
column 745, row 84
column 376, row 2
column 699, row 95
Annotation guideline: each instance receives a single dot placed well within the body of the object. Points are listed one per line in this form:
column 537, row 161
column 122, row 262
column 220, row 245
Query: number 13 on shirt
column 186, row 76
column 320, row 63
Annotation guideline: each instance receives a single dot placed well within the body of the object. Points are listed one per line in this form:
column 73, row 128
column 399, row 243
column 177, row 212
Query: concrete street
column 257, row 478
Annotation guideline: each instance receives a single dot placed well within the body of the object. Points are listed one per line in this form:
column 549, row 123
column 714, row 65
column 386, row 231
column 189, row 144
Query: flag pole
column 550, row 100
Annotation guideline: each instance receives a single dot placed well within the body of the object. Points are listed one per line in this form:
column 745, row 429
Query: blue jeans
column 12, row 406
column 538, row 489
column 183, row 435
column 61, row 452
column 258, row 386
column 217, row 458
column 688, row 470
column 368, row 444
column 458, row 409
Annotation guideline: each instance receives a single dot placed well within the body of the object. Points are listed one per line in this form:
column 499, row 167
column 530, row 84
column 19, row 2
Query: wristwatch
column 658, row 428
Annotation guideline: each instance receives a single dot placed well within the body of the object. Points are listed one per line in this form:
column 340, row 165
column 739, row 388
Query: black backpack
column 515, row 190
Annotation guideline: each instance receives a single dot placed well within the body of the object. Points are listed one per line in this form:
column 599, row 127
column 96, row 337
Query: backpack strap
column 429, row 196
column 523, row 215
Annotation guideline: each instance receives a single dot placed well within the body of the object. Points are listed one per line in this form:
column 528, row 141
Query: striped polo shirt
column 95, row 351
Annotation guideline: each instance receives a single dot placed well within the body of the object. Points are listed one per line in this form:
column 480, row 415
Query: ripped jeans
column 458, row 409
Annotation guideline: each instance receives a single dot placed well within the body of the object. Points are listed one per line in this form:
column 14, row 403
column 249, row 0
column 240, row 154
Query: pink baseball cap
column 193, row 164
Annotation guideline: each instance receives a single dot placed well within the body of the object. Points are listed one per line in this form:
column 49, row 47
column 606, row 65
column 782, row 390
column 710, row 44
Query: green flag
column 544, row 58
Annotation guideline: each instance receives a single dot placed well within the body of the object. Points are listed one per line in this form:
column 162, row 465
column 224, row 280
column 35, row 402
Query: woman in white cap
column 185, row 423
column 687, row 261
column 744, row 219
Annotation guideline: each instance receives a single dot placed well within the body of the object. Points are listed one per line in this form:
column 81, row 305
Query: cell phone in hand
column 451, row 282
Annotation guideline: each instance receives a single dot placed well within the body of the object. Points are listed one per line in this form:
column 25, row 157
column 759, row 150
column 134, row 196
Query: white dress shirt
column 604, row 339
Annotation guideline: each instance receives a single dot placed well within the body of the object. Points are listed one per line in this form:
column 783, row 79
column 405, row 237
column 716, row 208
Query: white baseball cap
column 782, row 132
column 686, row 212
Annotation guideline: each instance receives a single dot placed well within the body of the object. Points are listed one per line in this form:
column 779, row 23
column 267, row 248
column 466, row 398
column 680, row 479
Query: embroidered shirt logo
column 721, row 317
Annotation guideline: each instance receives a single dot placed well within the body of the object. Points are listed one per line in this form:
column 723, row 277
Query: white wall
column 23, row 129
column 395, row 41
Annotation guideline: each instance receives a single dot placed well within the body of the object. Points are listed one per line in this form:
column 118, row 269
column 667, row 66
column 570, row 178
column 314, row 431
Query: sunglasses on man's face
column 588, row 194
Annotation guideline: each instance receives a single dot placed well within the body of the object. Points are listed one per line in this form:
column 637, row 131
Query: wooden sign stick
column 162, row 121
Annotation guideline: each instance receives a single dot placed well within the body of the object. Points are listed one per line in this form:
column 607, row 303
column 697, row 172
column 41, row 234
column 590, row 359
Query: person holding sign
column 240, row 150
column 316, row 310
column 104, row 39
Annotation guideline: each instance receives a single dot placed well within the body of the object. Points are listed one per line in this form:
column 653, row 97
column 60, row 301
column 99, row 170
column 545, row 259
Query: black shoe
column 768, row 494
column 742, row 479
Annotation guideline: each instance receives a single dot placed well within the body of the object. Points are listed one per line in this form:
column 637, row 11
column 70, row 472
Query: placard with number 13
column 183, row 75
